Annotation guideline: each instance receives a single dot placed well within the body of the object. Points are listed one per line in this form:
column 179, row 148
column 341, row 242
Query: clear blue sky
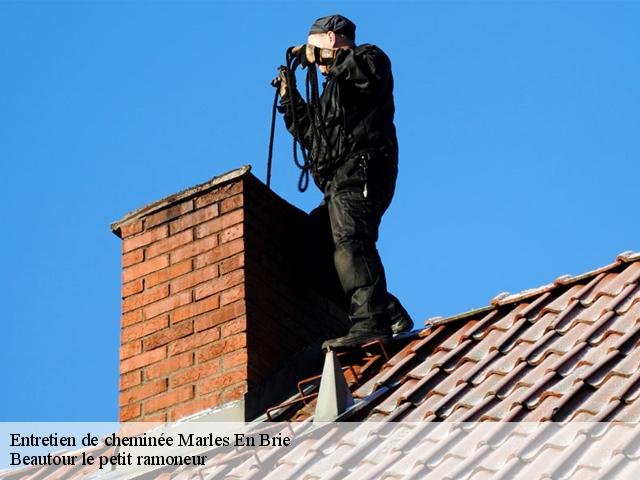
column 519, row 144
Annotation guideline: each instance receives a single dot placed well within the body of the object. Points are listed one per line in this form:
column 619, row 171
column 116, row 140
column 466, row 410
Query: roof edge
column 436, row 321
column 506, row 298
column 176, row 197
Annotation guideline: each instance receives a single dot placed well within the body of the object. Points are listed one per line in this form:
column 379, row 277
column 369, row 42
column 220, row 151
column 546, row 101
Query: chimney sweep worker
column 353, row 147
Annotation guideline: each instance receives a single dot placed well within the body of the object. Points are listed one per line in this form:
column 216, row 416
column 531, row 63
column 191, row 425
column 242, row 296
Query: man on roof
column 355, row 165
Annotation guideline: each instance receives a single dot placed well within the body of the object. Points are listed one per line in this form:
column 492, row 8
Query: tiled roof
column 565, row 352
column 412, row 451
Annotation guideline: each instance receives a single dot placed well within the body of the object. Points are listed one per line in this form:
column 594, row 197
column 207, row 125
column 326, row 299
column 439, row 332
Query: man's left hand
column 280, row 82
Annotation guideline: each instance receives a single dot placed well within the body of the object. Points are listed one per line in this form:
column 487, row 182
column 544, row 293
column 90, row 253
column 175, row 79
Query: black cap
column 336, row 24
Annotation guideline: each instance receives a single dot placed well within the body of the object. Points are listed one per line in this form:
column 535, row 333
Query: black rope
column 314, row 115
column 271, row 135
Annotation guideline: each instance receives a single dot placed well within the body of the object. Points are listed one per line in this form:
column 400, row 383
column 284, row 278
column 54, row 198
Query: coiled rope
column 314, row 114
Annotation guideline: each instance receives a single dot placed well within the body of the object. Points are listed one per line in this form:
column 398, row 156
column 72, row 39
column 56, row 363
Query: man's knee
column 355, row 247
column 356, row 263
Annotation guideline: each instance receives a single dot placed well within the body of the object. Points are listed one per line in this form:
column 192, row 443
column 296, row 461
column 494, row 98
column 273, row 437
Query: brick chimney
column 220, row 303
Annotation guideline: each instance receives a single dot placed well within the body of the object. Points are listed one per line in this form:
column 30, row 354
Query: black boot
column 361, row 333
column 353, row 340
column 400, row 319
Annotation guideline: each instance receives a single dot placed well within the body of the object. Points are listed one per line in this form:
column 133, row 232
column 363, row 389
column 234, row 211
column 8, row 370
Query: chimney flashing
column 334, row 397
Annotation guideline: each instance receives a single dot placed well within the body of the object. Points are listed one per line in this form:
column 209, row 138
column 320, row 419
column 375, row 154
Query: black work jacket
column 357, row 109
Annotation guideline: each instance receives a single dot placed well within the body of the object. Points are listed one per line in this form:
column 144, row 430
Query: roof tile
column 423, row 369
column 631, row 274
column 536, row 329
column 562, row 301
column 398, row 396
column 632, row 299
column 478, row 330
column 506, row 322
column 457, row 338
column 632, row 390
column 565, row 351
column 480, row 370
column 592, row 312
column 602, row 288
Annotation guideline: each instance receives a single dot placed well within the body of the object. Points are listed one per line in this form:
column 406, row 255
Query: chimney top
column 169, row 200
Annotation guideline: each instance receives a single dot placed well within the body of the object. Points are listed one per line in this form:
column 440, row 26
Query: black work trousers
column 354, row 202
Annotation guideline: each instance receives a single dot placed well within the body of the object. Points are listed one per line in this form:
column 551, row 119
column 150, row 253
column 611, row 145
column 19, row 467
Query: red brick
column 169, row 243
column 142, row 360
column 234, row 326
column 145, row 390
column 194, row 278
column 220, row 252
column 239, row 357
column 222, row 381
column 167, row 335
column 194, row 218
column 143, row 329
column 231, row 295
column 219, row 194
column 130, row 379
column 150, row 295
column 169, row 273
column 145, row 238
column 194, row 341
column 168, row 214
column 141, row 269
column 219, row 284
column 219, row 223
column 159, row 417
column 129, row 412
column 130, row 228
column 131, row 318
column 223, row 347
column 231, row 203
column 168, row 399
column 231, row 233
column 194, row 248
column 170, row 303
column 232, row 263
column 236, row 392
column 193, row 309
column 171, row 364
column 196, row 373
column 130, row 349
column 219, row 316
column 131, row 288
column 195, row 406
column 132, row 258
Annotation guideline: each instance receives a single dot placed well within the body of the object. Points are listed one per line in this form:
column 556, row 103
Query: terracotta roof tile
column 562, row 302
column 481, row 369
column 479, row 350
column 424, row 368
column 398, row 396
column 535, row 329
column 565, row 351
column 632, row 299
